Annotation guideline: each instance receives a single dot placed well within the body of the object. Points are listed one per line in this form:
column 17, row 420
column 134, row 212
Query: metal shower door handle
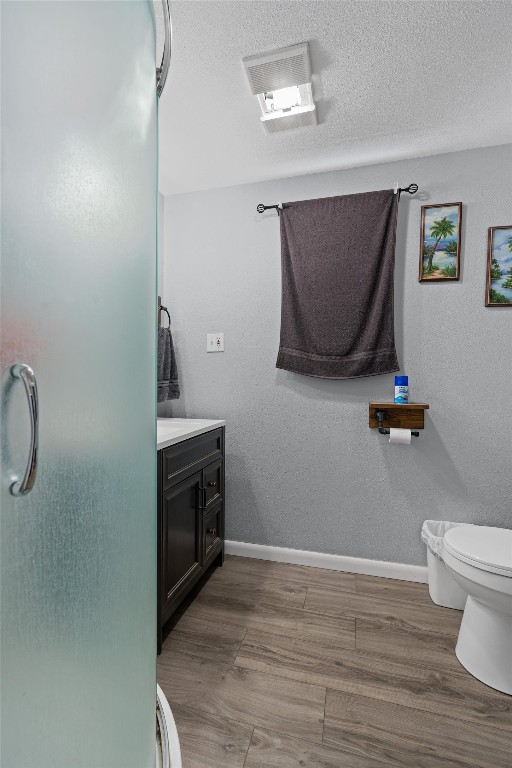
column 163, row 69
column 26, row 374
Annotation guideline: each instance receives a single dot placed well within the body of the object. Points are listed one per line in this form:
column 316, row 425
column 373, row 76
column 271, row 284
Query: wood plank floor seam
column 420, row 706
column 242, row 669
column 248, row 748
column 324, row 756
column 346, row 753
column 200, row 713
column 241, row 643
column 281, row 733
column 369, row 724
column 323, row 724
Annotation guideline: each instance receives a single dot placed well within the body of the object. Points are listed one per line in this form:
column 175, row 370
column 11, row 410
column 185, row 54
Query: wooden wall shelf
column 401, row 415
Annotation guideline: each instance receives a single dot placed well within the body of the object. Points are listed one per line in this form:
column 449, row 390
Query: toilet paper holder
column 383, row 416
column 379, row 415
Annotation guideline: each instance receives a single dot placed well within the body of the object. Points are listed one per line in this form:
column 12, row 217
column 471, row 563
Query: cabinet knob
column 212, row 484
column 212, row 531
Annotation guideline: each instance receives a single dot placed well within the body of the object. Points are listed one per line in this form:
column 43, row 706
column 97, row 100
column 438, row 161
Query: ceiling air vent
column 282, row 82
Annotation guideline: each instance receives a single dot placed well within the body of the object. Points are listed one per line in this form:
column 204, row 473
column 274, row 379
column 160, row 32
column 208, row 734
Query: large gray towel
column 167, row 385
column 338, row 258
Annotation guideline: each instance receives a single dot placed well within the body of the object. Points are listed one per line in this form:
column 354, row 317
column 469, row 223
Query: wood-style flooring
column 282, row 666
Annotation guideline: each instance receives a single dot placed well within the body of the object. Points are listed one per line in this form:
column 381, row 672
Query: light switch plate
column 215, row 342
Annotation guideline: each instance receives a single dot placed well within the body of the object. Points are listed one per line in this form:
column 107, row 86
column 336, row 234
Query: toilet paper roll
column 400, row 436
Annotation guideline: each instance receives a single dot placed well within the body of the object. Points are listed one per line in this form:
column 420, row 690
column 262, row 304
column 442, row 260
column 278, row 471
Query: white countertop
column 172, row 431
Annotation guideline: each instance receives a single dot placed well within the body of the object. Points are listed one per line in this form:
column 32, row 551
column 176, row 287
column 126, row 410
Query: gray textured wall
column 303, row 468
column 161, row 256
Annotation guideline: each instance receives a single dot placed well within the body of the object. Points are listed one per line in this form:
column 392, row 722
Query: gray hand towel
column 167, row 385
column 338, row 258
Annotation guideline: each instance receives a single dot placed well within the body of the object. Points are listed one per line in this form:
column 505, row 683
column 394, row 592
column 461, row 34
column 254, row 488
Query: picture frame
column 498, row 284
column 440, row 242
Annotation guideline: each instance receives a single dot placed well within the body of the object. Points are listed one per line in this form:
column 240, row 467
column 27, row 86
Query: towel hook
column 166, row 312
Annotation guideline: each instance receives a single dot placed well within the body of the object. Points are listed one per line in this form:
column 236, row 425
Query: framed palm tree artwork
column 498, row 290
column 440, row 242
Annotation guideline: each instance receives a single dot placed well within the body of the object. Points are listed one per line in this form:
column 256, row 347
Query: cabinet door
column 181, row 526
column 213, row 482
column 212, row 532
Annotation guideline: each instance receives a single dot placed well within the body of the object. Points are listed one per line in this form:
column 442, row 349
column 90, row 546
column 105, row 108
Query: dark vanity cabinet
column 190, row 517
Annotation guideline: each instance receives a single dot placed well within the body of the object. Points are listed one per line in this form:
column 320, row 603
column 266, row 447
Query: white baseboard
column 401, row 571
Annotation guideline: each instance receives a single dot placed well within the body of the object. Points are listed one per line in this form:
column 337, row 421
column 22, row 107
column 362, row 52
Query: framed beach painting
column 498, row 290
column 440, row 242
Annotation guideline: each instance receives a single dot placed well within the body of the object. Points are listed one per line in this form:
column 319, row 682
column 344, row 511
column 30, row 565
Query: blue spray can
column 401, row 389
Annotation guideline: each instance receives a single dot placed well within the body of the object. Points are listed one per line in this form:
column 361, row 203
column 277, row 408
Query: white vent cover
column 279, row 69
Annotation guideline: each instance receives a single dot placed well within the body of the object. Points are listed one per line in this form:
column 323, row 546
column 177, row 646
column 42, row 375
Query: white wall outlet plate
column 215, row 342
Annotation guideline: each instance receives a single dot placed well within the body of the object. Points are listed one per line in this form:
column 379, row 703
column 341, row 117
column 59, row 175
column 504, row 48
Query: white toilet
column 480, row 560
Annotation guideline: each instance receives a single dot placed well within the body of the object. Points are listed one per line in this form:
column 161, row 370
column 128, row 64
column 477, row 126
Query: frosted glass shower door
column 78, row 274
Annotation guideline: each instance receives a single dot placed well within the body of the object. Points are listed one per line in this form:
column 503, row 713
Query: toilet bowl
column 480, row 560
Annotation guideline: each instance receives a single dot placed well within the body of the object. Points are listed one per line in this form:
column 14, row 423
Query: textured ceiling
column 392, row 79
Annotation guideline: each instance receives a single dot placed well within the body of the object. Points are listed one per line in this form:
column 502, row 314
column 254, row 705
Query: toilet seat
column 488, row 549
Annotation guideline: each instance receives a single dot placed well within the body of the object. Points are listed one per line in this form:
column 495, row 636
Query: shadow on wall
column 343, row 390
column 238, row 486
column 434, row 460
